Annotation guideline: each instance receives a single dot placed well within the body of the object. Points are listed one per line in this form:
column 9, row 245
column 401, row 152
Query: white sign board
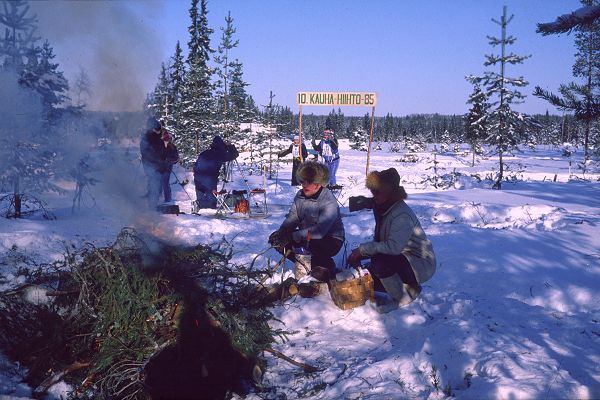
column 336, row 99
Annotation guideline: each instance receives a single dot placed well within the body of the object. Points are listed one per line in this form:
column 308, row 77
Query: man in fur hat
column 401, row 255
column 313, row 222
column 295, row 150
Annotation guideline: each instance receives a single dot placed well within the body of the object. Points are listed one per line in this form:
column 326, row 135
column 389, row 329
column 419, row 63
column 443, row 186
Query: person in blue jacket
column 206, row 171
column 152, row 150
column 327, row 148
column 171, row 155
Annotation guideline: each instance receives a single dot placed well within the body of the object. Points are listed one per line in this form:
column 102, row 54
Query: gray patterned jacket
column 400, row 233
column 321, row 216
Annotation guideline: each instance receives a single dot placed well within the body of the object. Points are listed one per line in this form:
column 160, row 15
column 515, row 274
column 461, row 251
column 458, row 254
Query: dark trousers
column 295, row 165
column 386, row 265
column 165, row 177
column 205, row 199
column 153, row 184
column 323, row 250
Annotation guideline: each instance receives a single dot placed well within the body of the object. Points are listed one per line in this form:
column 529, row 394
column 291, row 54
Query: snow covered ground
column 512, row 311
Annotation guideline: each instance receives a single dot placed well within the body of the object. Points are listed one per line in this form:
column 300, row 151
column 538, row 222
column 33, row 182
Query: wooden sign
column 336, row 99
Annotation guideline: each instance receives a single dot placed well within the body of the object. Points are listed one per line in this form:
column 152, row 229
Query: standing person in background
column 401, row 255
column 295, row 150
column 171, row 158
column 327, row 148
column 206, row 171
column 152, row 150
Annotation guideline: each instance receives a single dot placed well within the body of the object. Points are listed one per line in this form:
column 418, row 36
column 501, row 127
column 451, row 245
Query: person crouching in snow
column 171, row 158
column 295, row 149
column 401, row 255
column 206, row 171
column 314, row 223
column 327, row 148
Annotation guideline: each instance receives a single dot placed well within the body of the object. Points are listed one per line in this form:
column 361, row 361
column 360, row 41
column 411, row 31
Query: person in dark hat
column 401, row 255
column 152, row 150
column 314, row 223
column 171, row 158
column 206, row 171
column 299, row 154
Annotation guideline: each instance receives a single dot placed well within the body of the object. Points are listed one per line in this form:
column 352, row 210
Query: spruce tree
column 43, row 75
column 503, row 120
column 197, row 107
column 32, row 82
column 230, row 85
column 476, row 121
column 19, row 34
column 238, row 96
column 359, row 139
column 161, row 101
column 567, row 22
column 176, row 80
column 582, row 99
column 224, row 65
column 177, row 74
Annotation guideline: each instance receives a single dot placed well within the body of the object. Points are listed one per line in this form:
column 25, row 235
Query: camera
column 357, row 203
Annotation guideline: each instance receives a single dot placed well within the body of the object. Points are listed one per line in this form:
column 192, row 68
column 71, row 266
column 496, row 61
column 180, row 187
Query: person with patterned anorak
column 327, row 148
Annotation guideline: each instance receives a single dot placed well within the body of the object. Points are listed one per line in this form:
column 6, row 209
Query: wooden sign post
column 339, row 99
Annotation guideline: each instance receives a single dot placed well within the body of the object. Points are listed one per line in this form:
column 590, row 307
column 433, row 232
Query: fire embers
column 242, row 206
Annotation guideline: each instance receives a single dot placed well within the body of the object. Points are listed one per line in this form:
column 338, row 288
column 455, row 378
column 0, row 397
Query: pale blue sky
column 413, row 53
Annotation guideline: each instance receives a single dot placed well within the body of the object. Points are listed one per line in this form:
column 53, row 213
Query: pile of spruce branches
column 138, row 318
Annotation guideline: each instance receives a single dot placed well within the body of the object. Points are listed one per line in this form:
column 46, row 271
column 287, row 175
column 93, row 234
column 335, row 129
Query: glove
column 354, row 258
column 280, row 238
column 357, row 203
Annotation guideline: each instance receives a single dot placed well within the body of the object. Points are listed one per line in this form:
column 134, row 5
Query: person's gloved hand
column 354, row 258
column 281, row 237
column 357, row 203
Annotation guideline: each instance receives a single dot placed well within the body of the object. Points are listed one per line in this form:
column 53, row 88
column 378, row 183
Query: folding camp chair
column 229, row 202
column 257, row 199
column 222, row 206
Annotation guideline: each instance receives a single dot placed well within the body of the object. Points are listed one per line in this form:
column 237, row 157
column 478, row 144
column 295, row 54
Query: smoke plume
column 117, row 43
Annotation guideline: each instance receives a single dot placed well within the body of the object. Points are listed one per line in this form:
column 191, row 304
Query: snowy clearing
column 512, row 311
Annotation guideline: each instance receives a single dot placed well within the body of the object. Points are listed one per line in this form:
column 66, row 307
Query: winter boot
column 384, row 303
column 401, row 292
column 320, row 273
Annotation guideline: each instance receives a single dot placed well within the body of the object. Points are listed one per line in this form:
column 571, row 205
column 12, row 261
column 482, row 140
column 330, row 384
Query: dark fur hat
column 388, row 179
column 313, row 172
